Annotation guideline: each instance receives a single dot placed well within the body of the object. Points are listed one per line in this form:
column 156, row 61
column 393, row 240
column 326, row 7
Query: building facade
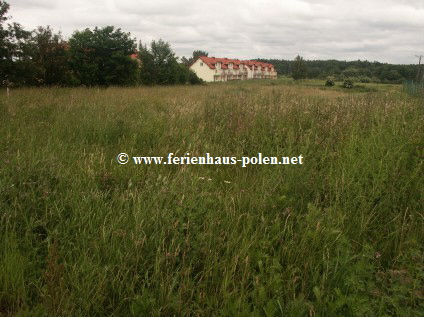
column 212, row 69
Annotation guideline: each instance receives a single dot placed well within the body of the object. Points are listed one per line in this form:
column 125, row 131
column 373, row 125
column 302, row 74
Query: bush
column 364, row 79
column 329, row 82
column 347, row 84
column 194, row 79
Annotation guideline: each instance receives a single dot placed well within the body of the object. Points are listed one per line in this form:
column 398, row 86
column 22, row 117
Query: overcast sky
column 376, row 30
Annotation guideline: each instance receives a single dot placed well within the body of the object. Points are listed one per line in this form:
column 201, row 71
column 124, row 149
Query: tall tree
column 5, row 54
column 166, row 65
column 299, row 70
column 185, row 61
column 159, row 64
column 51, row 57
column 147, row 71
column 196, row 55
column 13, row 49
column 102, row 57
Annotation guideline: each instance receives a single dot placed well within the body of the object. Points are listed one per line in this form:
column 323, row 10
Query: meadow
column 340, row 235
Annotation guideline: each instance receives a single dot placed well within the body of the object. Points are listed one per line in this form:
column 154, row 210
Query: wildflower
column 227, row 182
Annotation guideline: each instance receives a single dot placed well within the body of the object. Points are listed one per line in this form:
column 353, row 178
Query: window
column 201, row 64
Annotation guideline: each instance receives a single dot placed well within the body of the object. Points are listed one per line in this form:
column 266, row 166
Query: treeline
column 99, row 57
column 361, row 71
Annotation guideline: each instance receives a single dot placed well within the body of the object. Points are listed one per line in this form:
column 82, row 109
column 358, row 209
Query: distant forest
column 361, row 71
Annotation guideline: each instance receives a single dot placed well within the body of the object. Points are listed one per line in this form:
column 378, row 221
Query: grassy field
column 340, row 235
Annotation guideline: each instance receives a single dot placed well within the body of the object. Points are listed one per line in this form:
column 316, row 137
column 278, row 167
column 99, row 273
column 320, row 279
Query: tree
column 393, row 75
column 13, row 50
column 193, row 78
column 182, row 74
column 313, row 72
column 102, row 57
column 196, row 55
column 165, row 62
column 159, row 64
column 185, row 61
column 147, row 70
column 5, row 58
column 351, row 71
column 51, row 58
column 299, row 70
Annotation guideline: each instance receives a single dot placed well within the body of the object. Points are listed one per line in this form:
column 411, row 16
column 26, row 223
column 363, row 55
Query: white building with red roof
column 224, row 69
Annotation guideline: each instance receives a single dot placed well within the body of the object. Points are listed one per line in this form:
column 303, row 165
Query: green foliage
column 101, row 57
column 347, row 83
column 15, row 60
column 5, row 43
column 351, row 71
column 160, row 66
column 299, row 70
column 195, row 56
column 182, row 74
column 414, row 88
column 185, row 61
column 364, row 79
column 165, row 62
column 392, row 75
column 193, row 78
column 329, row 82
column 51, row 58
column 198, row 53
column 147, row 70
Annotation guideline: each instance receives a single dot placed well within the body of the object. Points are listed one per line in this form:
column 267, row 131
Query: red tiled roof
column 211, row 62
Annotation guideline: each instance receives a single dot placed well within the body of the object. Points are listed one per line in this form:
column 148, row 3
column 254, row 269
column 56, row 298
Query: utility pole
column 419, row 77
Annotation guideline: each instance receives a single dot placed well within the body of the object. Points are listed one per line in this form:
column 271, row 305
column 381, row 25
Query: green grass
column 340, row 235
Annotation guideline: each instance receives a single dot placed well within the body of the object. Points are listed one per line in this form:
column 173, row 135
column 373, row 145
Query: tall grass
column 414, row 88
column 340, row 235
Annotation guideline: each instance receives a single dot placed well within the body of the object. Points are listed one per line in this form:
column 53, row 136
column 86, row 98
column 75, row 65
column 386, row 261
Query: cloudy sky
column 376, row 30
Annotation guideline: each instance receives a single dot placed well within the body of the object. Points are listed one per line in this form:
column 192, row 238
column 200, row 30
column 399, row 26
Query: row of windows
column 246, row 69
column 230, row 65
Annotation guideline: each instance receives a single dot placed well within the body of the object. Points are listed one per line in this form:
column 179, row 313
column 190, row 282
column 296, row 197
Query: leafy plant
column 347, row 83
column 329, row 82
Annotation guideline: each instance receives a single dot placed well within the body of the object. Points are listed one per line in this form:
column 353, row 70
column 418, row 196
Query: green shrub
column 364, row 79
column 194, row 79
column 347, row 84
column 329, row 82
